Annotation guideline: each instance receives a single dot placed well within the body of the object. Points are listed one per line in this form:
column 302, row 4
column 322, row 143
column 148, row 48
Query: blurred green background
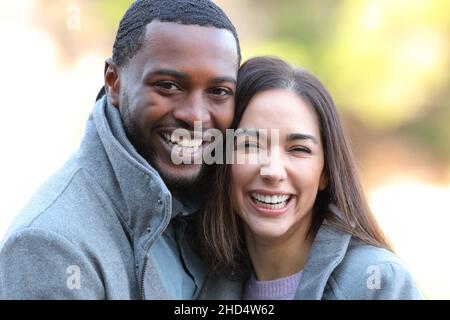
column 385, row 62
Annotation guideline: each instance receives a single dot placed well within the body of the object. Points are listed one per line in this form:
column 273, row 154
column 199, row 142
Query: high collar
column 327, row 252
column 132, row 185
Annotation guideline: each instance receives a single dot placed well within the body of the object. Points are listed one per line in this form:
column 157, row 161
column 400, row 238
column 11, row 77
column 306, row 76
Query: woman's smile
column 270, row 203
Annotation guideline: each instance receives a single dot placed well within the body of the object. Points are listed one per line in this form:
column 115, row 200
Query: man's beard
column 144, row 148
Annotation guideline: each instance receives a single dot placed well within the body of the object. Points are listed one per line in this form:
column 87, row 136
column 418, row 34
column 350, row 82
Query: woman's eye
column 248, row 146
column 167, row 85
column 301, row 150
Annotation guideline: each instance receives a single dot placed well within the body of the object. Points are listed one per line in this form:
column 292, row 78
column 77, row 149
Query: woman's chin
column 268, row 232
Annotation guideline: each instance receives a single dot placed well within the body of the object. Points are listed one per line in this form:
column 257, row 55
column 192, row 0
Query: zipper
column 167, row 217
column 143, row 277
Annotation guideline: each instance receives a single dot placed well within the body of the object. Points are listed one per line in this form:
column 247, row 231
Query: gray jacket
column 338, row 268
column 104, row 227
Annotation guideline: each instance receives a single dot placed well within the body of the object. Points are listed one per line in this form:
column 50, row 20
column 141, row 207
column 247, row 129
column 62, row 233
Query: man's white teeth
column 183, row 143
column 271, row 199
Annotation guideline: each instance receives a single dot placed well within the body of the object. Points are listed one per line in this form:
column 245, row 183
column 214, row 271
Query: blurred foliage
column 385, row 62
column 110, row 12
column 433, row 130
column 99, row 21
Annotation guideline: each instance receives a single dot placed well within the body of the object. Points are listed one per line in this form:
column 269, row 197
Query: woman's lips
column 272, row 205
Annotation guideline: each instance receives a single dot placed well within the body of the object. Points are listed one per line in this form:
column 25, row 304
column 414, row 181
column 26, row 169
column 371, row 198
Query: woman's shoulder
column 369, row 272
column 359, row 252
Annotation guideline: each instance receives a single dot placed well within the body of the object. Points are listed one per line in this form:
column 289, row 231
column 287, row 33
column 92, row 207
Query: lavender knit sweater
column 279, row 289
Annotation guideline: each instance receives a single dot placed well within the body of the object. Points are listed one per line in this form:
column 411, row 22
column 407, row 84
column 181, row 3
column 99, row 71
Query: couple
column 120, row 220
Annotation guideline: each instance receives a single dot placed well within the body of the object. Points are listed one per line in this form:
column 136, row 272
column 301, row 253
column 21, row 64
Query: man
column 111, row 223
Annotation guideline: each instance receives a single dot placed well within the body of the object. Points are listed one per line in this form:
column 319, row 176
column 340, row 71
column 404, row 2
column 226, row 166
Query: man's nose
column 194, row 108
column 273, row 169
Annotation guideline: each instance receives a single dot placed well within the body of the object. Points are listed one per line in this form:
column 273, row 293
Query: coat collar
column 132, row 185
column 327, row 252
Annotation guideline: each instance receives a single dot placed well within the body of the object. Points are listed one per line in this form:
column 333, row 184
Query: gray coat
column 100, row 228
column 338, row 268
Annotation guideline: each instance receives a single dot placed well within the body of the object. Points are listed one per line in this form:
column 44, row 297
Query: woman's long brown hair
column 223, row 245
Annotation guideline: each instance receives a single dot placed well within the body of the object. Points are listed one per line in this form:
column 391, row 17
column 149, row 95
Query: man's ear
column 323, row 183
column 112, row 82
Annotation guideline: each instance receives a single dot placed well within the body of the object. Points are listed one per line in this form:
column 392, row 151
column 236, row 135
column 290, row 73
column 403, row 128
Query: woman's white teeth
column 278, row 201
column 270, row 198
column 183, row 143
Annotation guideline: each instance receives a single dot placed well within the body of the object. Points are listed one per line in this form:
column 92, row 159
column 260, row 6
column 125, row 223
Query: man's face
column 181, row 74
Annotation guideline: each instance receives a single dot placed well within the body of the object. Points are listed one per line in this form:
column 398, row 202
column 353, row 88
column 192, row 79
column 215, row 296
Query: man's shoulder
column 69, row 222
column 67, row 204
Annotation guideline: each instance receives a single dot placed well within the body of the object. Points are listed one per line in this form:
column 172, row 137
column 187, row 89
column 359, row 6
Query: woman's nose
column 273, row 169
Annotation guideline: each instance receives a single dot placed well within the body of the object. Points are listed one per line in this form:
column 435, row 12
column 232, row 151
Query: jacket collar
column 327, row 252
column 133, row 186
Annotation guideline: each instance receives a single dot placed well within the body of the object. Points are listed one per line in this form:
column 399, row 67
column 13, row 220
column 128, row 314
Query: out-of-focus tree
column 385, row 62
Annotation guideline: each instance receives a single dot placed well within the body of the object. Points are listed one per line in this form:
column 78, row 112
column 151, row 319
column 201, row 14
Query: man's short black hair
column 131, row 31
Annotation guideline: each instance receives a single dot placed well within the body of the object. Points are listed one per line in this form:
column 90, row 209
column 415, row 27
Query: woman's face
column 274, row 196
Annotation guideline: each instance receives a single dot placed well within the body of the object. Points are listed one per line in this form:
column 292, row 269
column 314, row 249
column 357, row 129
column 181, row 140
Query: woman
column 291, row 222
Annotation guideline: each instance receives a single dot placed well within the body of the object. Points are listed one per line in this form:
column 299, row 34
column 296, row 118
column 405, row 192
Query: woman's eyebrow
column 301, row 136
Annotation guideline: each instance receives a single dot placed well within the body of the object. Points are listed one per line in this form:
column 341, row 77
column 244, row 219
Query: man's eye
column 167, row 85
column 220, row 92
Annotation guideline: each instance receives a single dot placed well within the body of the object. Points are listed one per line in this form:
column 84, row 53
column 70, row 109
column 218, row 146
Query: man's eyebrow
column 224, row 79
column 166, row 72
column 301, row 136
column 181, row 76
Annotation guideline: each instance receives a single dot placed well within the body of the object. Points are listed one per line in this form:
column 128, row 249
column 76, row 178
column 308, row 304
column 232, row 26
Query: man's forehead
column 187, row 47
column 179, row 29
column 172, row 36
